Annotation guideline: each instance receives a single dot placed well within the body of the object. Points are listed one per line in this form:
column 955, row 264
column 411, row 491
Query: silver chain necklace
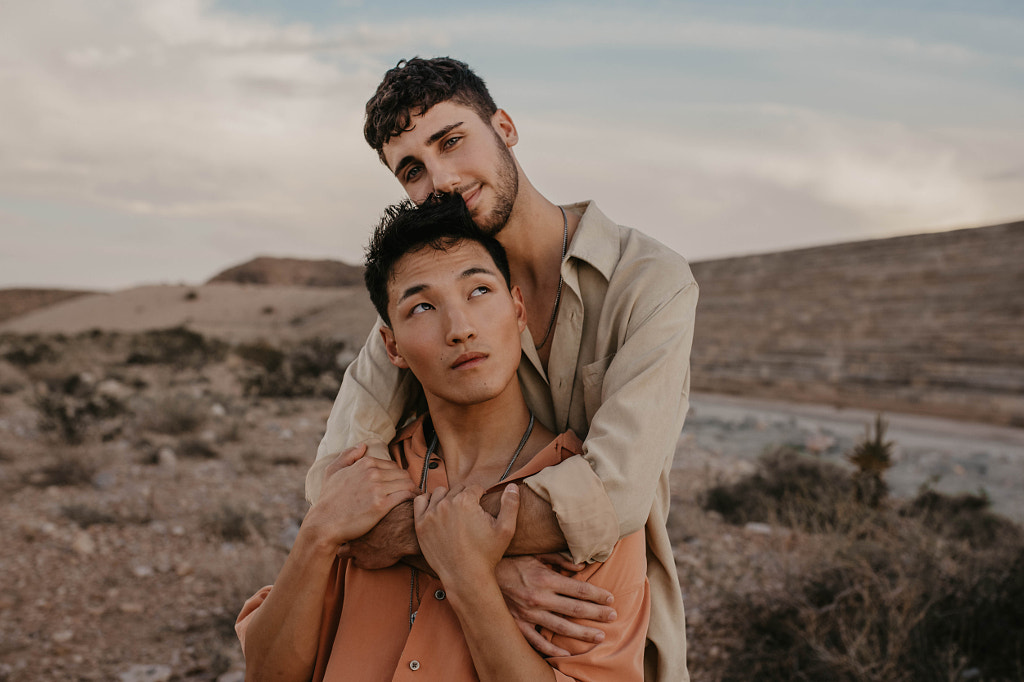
column 558, row 294
column 414, row 574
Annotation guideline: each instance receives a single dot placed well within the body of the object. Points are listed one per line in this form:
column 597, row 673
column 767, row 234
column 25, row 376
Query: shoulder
column 625, row 255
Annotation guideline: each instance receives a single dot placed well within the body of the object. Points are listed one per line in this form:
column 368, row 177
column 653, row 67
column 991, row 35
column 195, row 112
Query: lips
column 471, row 197
column 468, row 360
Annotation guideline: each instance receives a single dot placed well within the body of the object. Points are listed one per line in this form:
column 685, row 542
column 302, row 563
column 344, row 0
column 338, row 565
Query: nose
column 460, row 327
column 445, row 178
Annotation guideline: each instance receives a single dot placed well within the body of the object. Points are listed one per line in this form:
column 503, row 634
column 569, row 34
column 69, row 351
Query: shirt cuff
column 581, row 505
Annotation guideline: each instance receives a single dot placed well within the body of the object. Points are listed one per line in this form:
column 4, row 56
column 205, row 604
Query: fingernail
column 600, row 637
column 612, row 616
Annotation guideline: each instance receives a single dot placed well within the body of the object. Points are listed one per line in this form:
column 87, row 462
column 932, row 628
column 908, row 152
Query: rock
column 62, row 636
column 758, row 528
column 146, row 673
column 83, row 544
column 104, row 480
column 130, row 607
column 286, row 434
column 183, row 568
column 217, row 410
column 232, row 676
column 112, row 388
column 166, row 458
column 142, row 571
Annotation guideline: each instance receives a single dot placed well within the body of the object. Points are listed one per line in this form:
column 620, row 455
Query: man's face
column 454, row 323
column 450, row 149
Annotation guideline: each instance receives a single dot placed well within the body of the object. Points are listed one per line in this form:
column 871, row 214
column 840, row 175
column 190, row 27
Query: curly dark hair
column 441, row 223
column 415, row 85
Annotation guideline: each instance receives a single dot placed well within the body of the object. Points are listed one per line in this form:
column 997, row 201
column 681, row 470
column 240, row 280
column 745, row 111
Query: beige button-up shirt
column 618, row 375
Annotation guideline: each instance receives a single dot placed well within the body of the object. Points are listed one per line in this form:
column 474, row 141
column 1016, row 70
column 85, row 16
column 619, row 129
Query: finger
column 576, row 608
column 398, row 497
column 565, row 627
column 578, row 590
column 419, row 506
column 539, row 642
column 345, row 458
column 559, row 561
column 506, row 521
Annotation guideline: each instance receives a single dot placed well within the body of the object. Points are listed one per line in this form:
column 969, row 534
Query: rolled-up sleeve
column 373, row 398
column 633, row 433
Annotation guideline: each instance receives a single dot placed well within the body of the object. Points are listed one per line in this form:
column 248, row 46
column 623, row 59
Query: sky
column 161, row 141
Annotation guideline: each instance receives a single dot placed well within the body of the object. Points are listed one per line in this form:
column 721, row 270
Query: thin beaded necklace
column 414, row 582
column 558, row 294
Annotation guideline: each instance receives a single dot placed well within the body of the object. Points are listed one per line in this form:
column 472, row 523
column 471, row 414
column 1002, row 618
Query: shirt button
column 414, row 665
column 439, row 594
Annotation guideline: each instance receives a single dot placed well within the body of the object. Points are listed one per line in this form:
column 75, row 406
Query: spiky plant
column 872, row 457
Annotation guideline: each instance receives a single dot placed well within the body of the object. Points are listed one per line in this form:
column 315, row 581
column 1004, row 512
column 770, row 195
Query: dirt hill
column 292, row 272
column 931, row 324
column 15, row 302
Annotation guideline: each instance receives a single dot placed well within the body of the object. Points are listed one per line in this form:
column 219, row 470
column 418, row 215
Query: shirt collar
column 596, row 241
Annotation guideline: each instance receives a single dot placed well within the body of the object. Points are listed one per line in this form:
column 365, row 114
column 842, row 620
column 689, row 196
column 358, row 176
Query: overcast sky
column 149, row 141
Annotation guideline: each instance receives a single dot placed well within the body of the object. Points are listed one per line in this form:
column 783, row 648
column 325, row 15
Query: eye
column 419, row 308
column 482, row 289
column 451, row 141
column 413, row 173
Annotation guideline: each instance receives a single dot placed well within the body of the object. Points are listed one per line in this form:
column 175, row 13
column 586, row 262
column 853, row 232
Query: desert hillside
column 292, row 272
column 15, row 302
column 931, row 324
column 231, row 312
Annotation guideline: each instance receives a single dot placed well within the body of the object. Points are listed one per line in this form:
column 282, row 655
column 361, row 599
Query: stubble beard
column 506, row 189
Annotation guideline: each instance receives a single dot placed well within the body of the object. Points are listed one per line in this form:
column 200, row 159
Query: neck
column 478, row 441
column 532, row 238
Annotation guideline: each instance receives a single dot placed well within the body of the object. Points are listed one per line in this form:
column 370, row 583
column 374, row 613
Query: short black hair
column 415, row 85
column 441, row 223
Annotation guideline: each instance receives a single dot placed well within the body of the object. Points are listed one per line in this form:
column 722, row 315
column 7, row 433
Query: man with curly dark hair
column 610, row 317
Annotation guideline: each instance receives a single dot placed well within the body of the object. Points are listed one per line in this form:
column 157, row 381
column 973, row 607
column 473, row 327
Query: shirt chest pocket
column 593, row 384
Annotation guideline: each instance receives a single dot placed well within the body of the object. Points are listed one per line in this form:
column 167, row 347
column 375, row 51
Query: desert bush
column 174, row 415
column 70, row 406
column 65, row 470
column 24, row 351
column 197, row 449
column 177, row 346
column 235, row 523
column 309, row 368
column 84, row 515
column 892, row 601
column 872, row 457
column 962, row 517
column 790, row 488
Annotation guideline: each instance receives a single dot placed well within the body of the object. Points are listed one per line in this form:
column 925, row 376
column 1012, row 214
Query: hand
column 457, row 537
column 536, row 594
column 357, row 492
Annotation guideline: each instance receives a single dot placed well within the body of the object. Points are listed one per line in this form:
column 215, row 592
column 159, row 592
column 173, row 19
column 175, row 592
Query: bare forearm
column 281, row 639
column 537, row 530
column 498, row 649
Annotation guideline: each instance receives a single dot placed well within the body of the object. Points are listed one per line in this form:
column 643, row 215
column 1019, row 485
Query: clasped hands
column 375, row 498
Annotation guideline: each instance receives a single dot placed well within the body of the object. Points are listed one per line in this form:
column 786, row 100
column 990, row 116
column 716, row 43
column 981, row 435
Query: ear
column 391, row 347
column 520, row 307
column 505, row 128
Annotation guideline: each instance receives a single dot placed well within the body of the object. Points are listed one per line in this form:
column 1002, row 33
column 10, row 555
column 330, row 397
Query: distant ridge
column 292, row 272
column 929, row 323
column 15, row 302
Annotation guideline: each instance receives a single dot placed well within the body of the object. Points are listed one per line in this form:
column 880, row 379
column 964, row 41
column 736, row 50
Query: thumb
column 347, row 458
column 506, row 520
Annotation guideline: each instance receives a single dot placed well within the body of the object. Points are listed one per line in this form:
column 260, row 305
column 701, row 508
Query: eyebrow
column 409, row 158
column 468, row 272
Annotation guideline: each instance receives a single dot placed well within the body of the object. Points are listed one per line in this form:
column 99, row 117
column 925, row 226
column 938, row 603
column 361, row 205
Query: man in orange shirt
column 442, row 288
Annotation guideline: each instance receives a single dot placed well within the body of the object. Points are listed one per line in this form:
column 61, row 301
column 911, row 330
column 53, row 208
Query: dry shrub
column 790, row 488
column 197, row 449
column 235, row 523
column 174, row 414
column 309, row 368
column 177, row 346
column 25, row 351
column 64, row 470
column 71, row 406
column 894, row 596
